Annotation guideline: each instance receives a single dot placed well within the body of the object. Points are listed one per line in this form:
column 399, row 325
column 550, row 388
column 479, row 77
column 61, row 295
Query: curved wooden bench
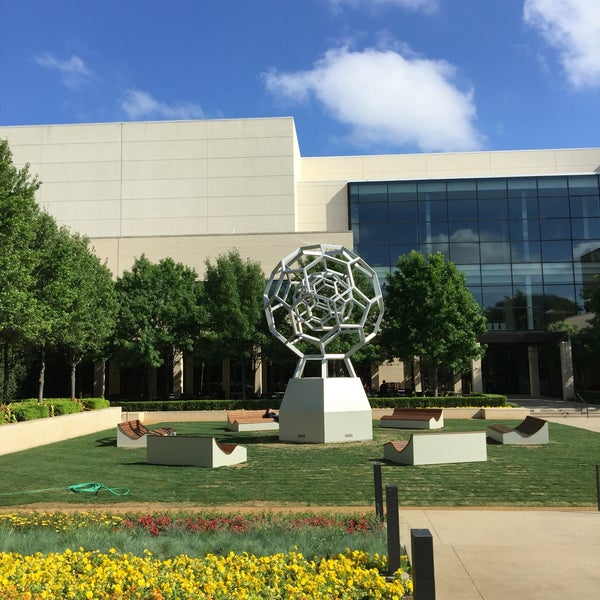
column 414, row 418
column 532, row 430
column 250, row 420
column 133, row 434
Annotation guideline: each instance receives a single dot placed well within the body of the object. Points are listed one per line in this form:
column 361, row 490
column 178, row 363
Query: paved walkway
column 514, row 554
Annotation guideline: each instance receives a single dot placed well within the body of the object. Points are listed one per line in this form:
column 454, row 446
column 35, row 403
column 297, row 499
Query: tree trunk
column 41, row 379
column 6, row 373
column 434, row 380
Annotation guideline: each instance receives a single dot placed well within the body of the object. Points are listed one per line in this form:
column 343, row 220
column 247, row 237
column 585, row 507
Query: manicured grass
column 561, row 473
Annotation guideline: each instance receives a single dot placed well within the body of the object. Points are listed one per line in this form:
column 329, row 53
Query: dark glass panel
column 355, row 235
column 558, row 273
column 397, row 250
column 472, row 274
column 374, row 233
column 496, row 275
column 586, row 251
column 585, row 206
column 402, row 192
column 434, row 232
column 477, row 294
column 525, row 252
column 491, row 188
column 495, row 252
column 585, row 229
column 496, row 208
column 555, row 229
column 585, row 273
column 464, row 254
column 462, row 190
column 556, row 251
column 583, row 185
column 552, row 186
column 433, row 210
column 372, row 192
column 525, row 274
column 404, row 233
column 523, row 208
column 373, row 212
column 493, row 231
column 464, row 231
column 354, row 213
column 555, row 207
column 462, row 210
column 521, row 231
column 522, row 188
column 527, row 308
column 559, row 302
column 403, row 211
column 432, row 190
column 375, row 256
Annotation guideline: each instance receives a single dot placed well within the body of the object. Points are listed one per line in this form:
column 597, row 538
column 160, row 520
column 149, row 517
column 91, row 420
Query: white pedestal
column 318, row 410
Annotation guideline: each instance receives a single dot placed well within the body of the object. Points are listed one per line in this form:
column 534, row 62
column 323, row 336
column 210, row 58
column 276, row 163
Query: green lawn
column 561, row 473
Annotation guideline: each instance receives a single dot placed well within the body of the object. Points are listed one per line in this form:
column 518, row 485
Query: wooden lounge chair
column 251, row 420
column 414, row 418
column 532, row 430
column 134, row 434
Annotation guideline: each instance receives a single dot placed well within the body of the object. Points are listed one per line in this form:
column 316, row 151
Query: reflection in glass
column 493, row 231
column 433, row 232
column 558, row 272
column 585, row 229
column 374, row 233
column 463, row 231
column 496, row 208
column 556, row 251
column 495, row 275
column 464, row 254
column 526, row 274
column 554, row 208
column 462, row 210
column 495, row 252
column 525, row 252
column 585, row 206
column 472, row 274
column 555, row 229
column 521, row 231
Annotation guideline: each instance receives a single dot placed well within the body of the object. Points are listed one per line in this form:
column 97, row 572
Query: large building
column 524, row 226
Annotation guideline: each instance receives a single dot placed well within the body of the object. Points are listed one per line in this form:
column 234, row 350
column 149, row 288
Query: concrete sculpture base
column 317, row 410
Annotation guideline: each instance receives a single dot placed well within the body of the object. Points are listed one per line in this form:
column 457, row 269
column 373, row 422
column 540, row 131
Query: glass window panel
column 354, row 212
column 435, row 232
column 382, row 273
column 583, row 185
column 464, row 254
column 586, row 229
column 497, row 306
column 355, row 234
column 496, row 208
column 493, row 231
column 495, row 252
column 555, row 207
column 477, row 294
column 559, row 302
column 523, row 208
column 526, row 274
column 376, row 233
column 373, row 212
column 552, row 186
column 472, row 274
column 521, row 231
column 443, row 248
column 462, row 190
column 433, row 210
column 402, row 192
column 527, row 309
column 403, row 211
column 526, row 251
column 375, row 256
column 586, row 251
column 558, row 273
column 585, row 273
column 404, row 233
column 397, row 250
column 491, row 188
column 556, row 251
column 372, row 192
column 467, row 231
column 462, row 210
column 585, row 206
column 495, row 275
column 522, row 188
column 555, row 229
column 432, row 190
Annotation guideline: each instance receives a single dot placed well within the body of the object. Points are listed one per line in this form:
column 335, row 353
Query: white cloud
column 73, row 71
column 387, row 99
column 573, row 28
column 138, row 104
column 423, row 5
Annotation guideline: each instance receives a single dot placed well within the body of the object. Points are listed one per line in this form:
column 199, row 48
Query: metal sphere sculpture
column 318, row 294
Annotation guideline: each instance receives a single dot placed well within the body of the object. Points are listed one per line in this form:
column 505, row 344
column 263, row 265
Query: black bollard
column 393, row 527
column 422, row 564
column 378, row 491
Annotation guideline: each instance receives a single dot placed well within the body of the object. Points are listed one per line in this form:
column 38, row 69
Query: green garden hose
column 94, row 488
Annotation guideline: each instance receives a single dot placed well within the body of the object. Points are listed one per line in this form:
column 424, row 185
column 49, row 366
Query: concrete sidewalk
column 511, row 555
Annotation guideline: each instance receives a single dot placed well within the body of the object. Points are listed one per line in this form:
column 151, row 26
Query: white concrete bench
column 532, row 430
column 193, row 450
column 438, row 448
column 414, row 418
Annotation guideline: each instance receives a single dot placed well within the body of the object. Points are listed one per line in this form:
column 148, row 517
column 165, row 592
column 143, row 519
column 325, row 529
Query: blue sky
column 358, row 76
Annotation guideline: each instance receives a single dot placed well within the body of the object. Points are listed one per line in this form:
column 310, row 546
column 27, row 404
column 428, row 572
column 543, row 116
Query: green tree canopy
column 159, row 314
column 431, row 314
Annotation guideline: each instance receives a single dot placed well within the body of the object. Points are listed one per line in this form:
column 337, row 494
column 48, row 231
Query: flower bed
column 78, row 573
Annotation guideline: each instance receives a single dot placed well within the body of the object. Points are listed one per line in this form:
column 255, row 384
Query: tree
column 430, row 313
column 233, row 295
column 159, row 314
column 19, row 310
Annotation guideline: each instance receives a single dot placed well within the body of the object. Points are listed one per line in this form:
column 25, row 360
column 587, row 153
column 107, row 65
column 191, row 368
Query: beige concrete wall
column 15, row 437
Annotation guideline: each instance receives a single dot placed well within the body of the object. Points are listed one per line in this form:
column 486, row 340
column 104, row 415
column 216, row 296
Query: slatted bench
column 134, row 434
column 251, row 420
column 438, row 448
column 414, row 418
column 532, row 430
column 193, row 450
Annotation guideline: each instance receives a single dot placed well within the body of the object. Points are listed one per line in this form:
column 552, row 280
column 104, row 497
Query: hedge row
column 477, row 401
column 26, row 410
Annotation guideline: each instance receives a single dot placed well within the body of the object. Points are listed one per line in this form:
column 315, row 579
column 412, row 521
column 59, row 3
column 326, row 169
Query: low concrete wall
column 24, row 435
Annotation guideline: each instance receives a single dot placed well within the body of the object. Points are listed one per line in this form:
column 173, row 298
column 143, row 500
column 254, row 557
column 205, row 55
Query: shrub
column 476, row 401
column 63, row 406
column 177, row 405
column 30, row 409
column 95, row 403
